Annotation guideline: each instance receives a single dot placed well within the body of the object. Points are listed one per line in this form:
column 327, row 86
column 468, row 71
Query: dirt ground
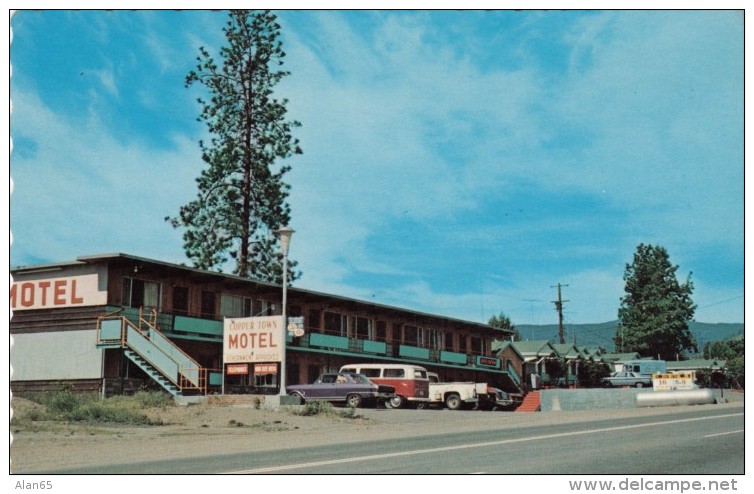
column 206, row 429
column 193, row 430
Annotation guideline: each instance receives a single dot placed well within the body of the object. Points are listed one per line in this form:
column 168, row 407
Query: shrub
column 316, row 408
column 326, row 408
column 63, row 403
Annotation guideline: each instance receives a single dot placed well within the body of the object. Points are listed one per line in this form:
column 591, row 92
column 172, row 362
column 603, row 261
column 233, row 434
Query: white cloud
column 97, row 191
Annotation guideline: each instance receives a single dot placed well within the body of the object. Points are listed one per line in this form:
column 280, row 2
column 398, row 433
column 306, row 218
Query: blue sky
column 455, row 162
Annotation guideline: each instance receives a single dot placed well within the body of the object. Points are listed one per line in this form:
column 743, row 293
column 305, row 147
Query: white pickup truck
column 454, row 395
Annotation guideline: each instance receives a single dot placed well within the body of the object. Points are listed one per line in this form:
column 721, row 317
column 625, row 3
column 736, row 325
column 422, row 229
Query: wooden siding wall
column 49, row 320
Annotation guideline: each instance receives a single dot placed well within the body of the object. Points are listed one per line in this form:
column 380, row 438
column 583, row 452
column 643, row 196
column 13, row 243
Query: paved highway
column 690, row 441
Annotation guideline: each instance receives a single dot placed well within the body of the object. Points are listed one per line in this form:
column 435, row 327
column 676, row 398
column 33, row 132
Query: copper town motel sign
column 253, row 339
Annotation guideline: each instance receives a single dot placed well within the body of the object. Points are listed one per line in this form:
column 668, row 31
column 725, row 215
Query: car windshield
column 359, row 378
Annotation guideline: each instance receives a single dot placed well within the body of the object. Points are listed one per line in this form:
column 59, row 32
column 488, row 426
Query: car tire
column 354, row 400
column 639, row 385
column 300, row 397
column 396, row 401
column 453, row 401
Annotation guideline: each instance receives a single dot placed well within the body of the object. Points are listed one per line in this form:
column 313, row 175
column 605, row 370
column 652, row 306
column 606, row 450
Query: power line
column 722, row 301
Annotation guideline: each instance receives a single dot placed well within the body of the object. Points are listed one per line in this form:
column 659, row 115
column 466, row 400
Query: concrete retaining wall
column 597, row 398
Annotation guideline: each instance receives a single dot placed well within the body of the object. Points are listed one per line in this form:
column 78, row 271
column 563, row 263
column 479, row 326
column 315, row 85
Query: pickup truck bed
column 454, row 395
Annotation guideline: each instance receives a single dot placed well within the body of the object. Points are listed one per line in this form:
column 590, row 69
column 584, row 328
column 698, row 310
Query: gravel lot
column 205, row 429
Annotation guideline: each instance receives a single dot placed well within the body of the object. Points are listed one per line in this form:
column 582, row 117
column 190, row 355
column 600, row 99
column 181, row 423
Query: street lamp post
column 285, row 235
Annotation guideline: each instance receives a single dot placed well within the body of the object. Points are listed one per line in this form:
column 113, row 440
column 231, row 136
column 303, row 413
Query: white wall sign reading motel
column 253, row 339
column 72, row 291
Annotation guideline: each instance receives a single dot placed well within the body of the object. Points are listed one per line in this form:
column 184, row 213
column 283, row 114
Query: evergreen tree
column 242, row 196
column 733, row 352
column 654, row 314
column 504, row 322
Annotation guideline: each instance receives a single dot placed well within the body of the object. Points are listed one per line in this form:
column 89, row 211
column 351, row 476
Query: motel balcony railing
column 193, row 328
column 344, row 345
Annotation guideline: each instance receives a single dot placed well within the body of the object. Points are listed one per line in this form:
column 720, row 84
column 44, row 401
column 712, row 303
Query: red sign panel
column 233, row 369
column 265, row 369
column 488, row 362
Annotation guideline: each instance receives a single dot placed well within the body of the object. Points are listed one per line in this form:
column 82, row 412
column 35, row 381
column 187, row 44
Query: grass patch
column 151, row 399
column 67, row 406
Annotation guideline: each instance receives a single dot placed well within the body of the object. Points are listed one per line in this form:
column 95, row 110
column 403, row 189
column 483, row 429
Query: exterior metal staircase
column 150, row 350
column 152, row 372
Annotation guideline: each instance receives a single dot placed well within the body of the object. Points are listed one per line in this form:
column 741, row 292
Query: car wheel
column 420, row 405
column 300, row 396
column 396, row 401
column 353, row 400
column 639, row 385
column 453, row 402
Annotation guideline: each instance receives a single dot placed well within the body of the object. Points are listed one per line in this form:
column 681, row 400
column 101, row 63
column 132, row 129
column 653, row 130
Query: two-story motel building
column 114, row 323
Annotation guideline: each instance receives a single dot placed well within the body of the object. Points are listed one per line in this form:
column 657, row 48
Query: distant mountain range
column 602, row 334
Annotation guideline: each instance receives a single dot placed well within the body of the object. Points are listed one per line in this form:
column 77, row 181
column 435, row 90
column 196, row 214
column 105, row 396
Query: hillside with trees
column 601, row 334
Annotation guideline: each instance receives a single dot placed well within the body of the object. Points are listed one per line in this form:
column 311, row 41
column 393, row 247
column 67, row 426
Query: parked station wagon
column 633, row 379
column 343, row 387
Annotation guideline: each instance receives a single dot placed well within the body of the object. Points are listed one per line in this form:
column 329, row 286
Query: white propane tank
column 674, row 398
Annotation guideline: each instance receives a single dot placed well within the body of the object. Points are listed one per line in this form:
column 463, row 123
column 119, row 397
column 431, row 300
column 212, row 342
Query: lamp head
column 285, row 235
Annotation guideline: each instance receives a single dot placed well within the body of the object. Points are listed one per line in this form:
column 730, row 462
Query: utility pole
column 559, row 307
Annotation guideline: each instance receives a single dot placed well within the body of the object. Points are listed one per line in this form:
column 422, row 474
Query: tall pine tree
column 242, row 196
column 654, row 314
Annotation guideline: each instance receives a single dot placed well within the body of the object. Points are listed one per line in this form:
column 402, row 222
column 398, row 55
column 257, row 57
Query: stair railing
column 512, row 372
column 189, row 375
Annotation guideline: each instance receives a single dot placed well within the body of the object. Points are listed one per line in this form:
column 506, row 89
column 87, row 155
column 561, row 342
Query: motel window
column 396, row 334
column 140, row 293
column 314, row 321
column 208, row 304
column 462, row 343
column 294, row 311
column 267, row 308
column 336, row 324
column 381, row 333
column 410, row 335
column 363, row 328
column 431, row 338
column 477, row 345
column 265, row 380
column 180, row 300
column 235, row 306
column 436, row 339
column 422, row 337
